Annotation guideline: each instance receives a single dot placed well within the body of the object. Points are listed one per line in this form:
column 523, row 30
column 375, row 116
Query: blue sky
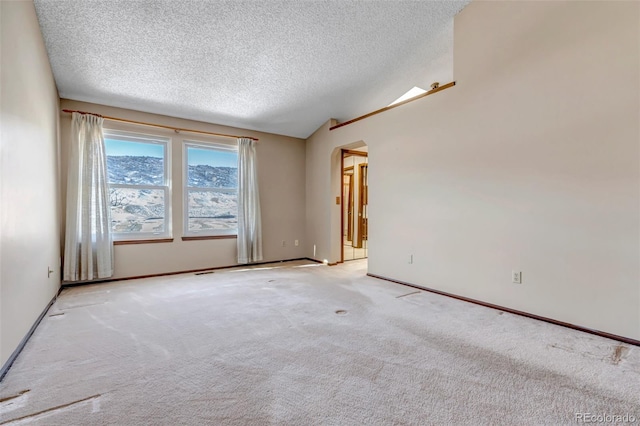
column 136, row 149
column 196, row 155
column 212, row 158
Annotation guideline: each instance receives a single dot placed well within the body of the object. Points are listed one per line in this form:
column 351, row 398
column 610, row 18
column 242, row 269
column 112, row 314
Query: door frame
column 350, row 199
column 363, row 200
column 344, row 153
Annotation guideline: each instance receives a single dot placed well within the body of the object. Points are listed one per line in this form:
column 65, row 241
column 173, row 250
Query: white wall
column 530, row 163
column 281, row 171
column 29, row 207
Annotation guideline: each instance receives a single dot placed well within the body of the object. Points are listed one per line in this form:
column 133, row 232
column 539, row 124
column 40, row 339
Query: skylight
column 415, row 91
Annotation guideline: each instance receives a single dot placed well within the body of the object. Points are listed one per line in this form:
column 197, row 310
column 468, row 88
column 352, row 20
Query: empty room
column 323, row 212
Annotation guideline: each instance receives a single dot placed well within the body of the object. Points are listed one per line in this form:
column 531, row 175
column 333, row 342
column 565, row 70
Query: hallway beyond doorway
column 354, row 201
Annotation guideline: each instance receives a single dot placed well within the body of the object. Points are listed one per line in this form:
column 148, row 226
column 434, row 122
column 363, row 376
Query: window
column 411, row 93
column 211, row 189
column 138, row 171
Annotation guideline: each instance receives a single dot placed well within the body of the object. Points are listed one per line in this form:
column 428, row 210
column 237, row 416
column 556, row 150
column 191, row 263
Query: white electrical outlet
column 296, row 243
column 516, row 277
column 284, row 243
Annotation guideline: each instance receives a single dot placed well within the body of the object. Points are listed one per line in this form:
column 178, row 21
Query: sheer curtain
column 88, row 249
column 249, row 222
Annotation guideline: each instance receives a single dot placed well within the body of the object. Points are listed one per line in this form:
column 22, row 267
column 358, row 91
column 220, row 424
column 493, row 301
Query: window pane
column 212, row 210
column 134, row 163
column 137, row 210
column 212, row 168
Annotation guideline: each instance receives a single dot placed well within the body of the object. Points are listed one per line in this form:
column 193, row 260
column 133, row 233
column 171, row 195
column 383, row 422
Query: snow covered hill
column 143, row 210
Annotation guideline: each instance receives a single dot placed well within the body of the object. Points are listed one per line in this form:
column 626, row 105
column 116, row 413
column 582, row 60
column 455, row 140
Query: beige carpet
column 301, row 344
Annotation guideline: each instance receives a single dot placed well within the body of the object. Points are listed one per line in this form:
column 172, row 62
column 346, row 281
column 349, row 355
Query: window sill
column 209, row 237
column 159, row 240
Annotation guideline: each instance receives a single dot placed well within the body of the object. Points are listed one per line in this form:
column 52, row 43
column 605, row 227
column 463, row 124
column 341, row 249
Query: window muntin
column 211, row 189
column 139, row 185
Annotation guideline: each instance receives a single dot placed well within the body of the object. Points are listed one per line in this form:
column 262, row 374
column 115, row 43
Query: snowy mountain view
column 210, row 204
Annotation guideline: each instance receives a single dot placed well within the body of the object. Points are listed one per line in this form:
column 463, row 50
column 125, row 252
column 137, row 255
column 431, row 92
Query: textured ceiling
column 277, row 66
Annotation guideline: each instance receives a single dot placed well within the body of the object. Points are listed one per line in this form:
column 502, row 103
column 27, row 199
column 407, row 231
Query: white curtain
column 88, row 249
column 249, row 222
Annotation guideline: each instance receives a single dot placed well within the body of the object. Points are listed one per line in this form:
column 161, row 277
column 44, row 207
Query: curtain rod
column 387, row 108
column 175, row 129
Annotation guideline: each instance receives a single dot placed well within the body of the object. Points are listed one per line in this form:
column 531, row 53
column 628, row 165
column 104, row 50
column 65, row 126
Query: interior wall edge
column 7, row 365
column 69, row 284
column 623, row 339
column 29, row 200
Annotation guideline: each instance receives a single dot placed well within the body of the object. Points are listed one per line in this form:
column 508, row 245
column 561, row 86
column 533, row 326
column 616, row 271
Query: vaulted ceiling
column 278, row 66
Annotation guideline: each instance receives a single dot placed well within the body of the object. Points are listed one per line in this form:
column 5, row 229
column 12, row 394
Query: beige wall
column 29, row 207
column 530, row 163
column 281, row 173
column 319, row 201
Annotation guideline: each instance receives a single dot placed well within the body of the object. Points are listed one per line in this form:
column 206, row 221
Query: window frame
column 203, row 234
column 165, row 142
